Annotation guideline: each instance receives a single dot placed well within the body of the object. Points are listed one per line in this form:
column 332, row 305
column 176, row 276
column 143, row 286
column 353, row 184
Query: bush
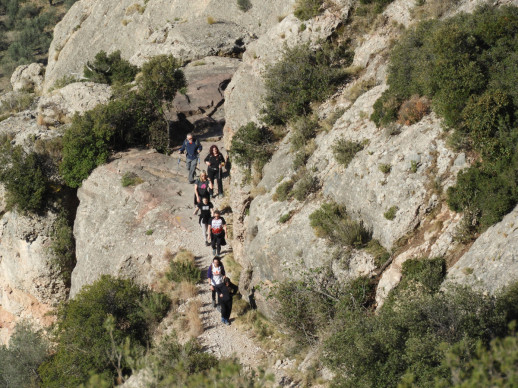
column 110, row 69
column 19, row 362
column 413, row 110
column 466, row 66
column 307, row 185
column 385, row 168
column 63, row 246
column 304, row 129
column 285, row 217
column 344, row 151
column 381, row 255
column 83, row 342
column 183, row 268
column 331, row 221
column 487, row 195
column 244, row 5
column 24, row 179
column 308, row 9
column 251, row 146
column 284, row 192
column 300, row 77
column 390, row 214
column 406, row 341
column 130, row 179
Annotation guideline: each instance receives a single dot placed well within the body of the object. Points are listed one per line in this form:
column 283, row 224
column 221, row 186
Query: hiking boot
column 227, row 322
column 223, row 320
column 207, row 243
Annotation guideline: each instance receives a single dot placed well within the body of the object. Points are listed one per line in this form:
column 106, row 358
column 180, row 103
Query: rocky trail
column 221, row 340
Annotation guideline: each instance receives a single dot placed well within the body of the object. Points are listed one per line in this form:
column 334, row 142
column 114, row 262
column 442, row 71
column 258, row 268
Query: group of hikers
column 213, row 225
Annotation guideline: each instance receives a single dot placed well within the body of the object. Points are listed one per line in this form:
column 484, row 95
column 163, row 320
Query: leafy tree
column 20, row 361
column 83, row 343
column 24, row 178
column 110, row 69
column 161, row 79
column 251, row 145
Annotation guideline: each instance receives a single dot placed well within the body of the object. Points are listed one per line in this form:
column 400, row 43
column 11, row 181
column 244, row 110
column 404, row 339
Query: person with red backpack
column 218, row 230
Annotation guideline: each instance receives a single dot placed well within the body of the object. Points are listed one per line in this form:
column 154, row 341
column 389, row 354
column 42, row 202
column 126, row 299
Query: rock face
column 60, row 105
column 30, row 285
column 492, row 261
column 188, row 29
column 28, row 78
column 125, row 231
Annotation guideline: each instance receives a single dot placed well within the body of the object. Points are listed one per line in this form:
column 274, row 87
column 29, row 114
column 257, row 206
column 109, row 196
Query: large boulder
column 188, row 29
column 28, row 78
column 126, row 231
column 492, row 261
column 60, row 105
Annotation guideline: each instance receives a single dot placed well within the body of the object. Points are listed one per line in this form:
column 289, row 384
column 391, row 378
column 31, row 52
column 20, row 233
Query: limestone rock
column 125, row 231
column 60, row 105
column 30, row 284
column 188, row 29
column 28, row 78
column 492, row 261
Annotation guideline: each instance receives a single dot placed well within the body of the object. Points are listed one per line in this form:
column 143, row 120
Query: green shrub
column 19, row 362
column 466, row 66
column 429, row 273
column 385, row 168
column 24, row 179
column 183, row 271
column 90, row 139
column 308, row 9
column 131, row 179
column 307, row 185
column 251, row 146
column 304, row 129
column 83, row 342
column 344, row 151
column 284, row 192
column 63, row 246
column 300, row 77
column 110, row 69
column 285, row 217
column 489, row 367
column 406, row 341
column 487, row 195
column 244, row 5
column 301, row 309
column 17, row 102
column 331, row 221
column 381, row 255
column 390, row 214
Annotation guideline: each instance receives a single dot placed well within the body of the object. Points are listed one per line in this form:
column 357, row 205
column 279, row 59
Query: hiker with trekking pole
column 192, row 148
column 215, row 162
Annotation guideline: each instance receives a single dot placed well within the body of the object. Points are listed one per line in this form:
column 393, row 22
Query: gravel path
column 218, row 339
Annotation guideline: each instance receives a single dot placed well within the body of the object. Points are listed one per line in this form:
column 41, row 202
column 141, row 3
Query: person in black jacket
column 215, row 162
column 226, row 291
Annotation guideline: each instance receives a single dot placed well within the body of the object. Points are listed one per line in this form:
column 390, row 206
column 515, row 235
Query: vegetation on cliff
column 466, row 66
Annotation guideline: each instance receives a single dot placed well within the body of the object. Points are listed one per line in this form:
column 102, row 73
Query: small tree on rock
column 161, row 79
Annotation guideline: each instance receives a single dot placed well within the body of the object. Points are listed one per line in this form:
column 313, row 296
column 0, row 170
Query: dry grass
column 232, row 268
column 186, row 290
column 183, row 256
column 211, row 20
column 359, row 88
column 193, row 319
column 135, row 8
column 258, row 190
column 413, row 110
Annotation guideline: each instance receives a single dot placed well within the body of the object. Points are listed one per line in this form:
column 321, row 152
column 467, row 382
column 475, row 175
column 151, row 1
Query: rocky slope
column 125, row 231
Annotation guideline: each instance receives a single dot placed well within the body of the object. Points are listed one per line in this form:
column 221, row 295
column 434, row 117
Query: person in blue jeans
column 192, row 148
